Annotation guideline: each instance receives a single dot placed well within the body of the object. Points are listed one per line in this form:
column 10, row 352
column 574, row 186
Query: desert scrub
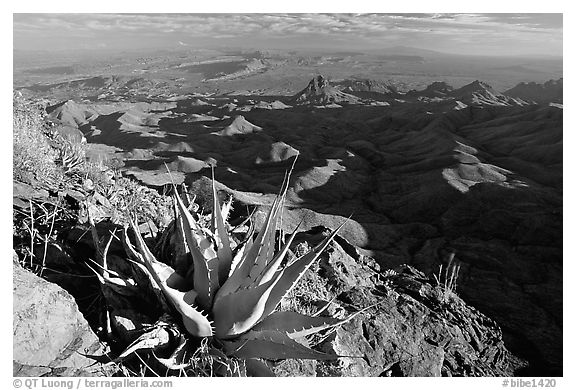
column 227, row 299
column 33, row 158
column 130, row 200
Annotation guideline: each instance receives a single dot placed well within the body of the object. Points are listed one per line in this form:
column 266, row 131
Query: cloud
column 249, row 23
column 360, row 28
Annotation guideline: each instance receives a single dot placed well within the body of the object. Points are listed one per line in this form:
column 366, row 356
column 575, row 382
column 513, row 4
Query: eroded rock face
column 412, row 327
column 319, row 91
column 51, row 337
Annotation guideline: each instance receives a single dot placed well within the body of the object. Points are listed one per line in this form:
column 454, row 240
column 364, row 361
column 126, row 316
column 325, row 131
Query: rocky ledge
column 412, row 326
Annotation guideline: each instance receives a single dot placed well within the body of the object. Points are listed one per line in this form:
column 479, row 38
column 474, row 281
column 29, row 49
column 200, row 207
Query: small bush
column 33, row 157
column 129, row 199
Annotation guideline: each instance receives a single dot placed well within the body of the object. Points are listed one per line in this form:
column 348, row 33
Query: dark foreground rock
column 412, row 327
column 51, row 337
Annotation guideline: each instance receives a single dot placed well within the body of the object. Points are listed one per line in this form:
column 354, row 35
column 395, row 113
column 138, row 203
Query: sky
column 480, row 34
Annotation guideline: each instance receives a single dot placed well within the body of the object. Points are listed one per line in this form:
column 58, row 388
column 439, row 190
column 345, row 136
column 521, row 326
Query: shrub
column 33, row 158
column 132, row 200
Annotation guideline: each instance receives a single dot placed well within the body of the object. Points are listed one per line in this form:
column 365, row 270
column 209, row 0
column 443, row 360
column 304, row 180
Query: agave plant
column 231, row 292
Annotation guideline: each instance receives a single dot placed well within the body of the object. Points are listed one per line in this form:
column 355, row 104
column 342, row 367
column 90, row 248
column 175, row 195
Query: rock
column 23, row 194
column 320, row 92
column 410, row 326
column 51, row 337
column 88, row 185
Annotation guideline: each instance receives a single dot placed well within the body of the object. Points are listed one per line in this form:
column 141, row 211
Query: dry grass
column 35, row 228
column 203, row 361
column 446, row 279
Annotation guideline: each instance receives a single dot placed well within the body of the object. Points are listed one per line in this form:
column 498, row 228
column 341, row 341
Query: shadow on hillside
column 106, row 129
column 504, row 239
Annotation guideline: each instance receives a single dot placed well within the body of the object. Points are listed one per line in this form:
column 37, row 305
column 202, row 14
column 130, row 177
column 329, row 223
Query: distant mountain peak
column 239, row 119
column 549, row 92
column 438, row 89
column 481, row 93
column 241, row 123
column 238, row 126
column 481, row 84
column 475, row 86
column 439, row 86
column 320, row 92
column 317, row 85
column 475, row 93
column 358, row 84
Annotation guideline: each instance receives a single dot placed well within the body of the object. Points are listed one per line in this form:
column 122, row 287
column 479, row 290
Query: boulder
column 50, row 335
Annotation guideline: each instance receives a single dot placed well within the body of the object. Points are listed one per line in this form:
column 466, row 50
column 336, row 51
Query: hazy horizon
column 465, row 34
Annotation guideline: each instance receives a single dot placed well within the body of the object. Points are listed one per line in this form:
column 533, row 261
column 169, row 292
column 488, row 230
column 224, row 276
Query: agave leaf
column 237, row 312
column 129, row 248
column 294, row 272
column 142, row 276
column 205, row 259
column 244, row 222
column 177, row 360
column 246, row 271
column 195, row 322
column 189, row 201
column 117, row 283
column 160, row 271
column 157, row 337
column 99, row 253
column 117, row 292
column 100, row 277
column 240, row 259
column 297, row 325
column 234, row 281
column 106, row 276
column 181, row 240
column 239, row 253
column 325, row 307
column 106, row 249
column 261, row 252
column 106, row 273
column 227, row 208
column 271, row 345
column 221, row 235
column 273, row 266
column 239, row 270
column 266, row 250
